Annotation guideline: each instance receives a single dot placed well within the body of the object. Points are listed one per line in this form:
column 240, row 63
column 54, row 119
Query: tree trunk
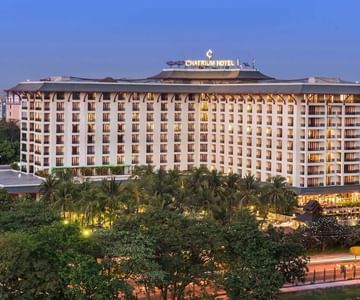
column 164, row 293
column 265, row 216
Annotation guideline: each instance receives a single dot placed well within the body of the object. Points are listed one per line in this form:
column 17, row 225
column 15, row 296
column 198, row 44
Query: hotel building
column 214, row 113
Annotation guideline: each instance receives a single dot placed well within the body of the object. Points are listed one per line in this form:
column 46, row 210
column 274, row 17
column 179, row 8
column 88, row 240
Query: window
column 135, row 148
column 76, row 106
column 59, row 106
column 75, row 161
column 106, row 106
column 90, row 160
column 60, row 96
column 59, row 161
column 90, row 150
column 149, row 148
column 59, row 128
column 91, row 106
column 91, row 96
column 91, row 117
column 75, row 139
column 106, row 149
column 163, row 148
column 106, row 96
column 120, row 149
column 76, row 96
column 76, row 117
column 121, row 106
column 106, row 117
column 136, row 106
column 106, row 127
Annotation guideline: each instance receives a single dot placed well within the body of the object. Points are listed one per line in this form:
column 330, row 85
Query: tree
column 4, row 196
column 138, row 253
column 48, row 188
column 249, row 190
column 23, row 274
column 111, row 190
column 55, row 262
column 9, row 152
column 324, row 233
column 290, row 251
column 183, row 248
column 26, row 215
column 278, row 196
column 250, row 268
column 10, row 142
column 231, row 193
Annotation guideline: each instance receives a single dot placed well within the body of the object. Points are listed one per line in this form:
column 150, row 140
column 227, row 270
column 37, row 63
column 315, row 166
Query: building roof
column 281, row 87
column 350, row 188
column 211, row 74
column 18, row 182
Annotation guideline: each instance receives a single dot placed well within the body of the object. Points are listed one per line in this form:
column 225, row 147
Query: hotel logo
column 209, row 62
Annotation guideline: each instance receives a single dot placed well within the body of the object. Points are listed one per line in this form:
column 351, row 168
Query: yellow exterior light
column 86, row 232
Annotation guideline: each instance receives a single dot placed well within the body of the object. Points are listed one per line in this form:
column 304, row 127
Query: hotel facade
column 219, row 114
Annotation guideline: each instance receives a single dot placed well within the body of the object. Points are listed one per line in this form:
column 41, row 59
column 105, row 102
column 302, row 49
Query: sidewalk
column 325, row 285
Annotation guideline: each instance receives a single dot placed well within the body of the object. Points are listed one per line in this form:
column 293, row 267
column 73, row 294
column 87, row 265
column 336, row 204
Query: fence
column 338, row 273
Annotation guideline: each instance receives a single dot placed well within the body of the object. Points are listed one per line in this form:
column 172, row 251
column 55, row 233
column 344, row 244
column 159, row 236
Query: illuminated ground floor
column 329, row 200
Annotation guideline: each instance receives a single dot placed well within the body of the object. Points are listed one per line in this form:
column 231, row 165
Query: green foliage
column 138, row 253
column 54, row 263
column 9, row 142
column 25, row 214
column 4, row 196
column 170, row 229
column 290, row 251
column 9, row 152
column 326, row 233
column 250, row 268
column 179, row 250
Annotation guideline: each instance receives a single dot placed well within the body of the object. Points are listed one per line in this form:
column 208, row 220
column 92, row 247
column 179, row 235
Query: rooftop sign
column 209, row 62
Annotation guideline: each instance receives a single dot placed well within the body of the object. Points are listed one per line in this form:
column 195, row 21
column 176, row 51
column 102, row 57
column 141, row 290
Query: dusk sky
column 88, row 38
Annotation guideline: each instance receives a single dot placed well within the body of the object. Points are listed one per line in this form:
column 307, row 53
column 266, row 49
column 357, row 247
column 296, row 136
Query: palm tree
column 249, row 190
column 132, row 197
column 48, row 188
column 231, row 194
column 91, row 204
column 63, row 197
column 196, row 183
column 111, row 189
column 278, row 196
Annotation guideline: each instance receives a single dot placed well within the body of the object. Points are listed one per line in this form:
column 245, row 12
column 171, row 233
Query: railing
column 338, row 273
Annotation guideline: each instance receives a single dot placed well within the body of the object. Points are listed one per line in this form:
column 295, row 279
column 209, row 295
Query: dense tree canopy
column 177, row 234
column 9, row 142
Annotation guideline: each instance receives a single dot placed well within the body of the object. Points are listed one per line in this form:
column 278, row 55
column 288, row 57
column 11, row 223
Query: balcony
column 316, row 113
column 315, row 149
column 351, row 171
column 316, row 137
column 351, row 147
column 316, row 124
column 350, row 159
column 315, row 161
column 315, row 172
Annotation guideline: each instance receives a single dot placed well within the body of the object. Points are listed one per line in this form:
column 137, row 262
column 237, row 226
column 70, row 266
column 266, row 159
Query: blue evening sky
column 134, row 38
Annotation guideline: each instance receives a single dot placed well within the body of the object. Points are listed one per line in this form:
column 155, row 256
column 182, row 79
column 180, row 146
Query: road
column 332, row 267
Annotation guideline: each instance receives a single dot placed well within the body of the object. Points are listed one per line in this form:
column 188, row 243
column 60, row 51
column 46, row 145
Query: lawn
column 346, row 293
